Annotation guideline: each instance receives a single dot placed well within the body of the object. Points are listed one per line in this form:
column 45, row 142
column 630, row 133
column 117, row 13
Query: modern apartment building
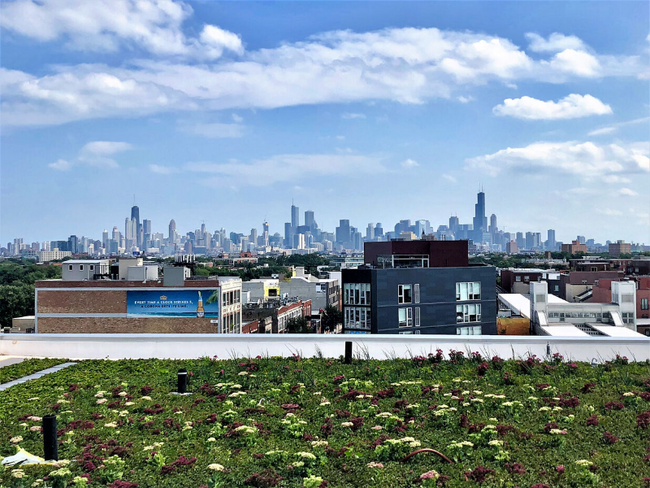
column 419, row 287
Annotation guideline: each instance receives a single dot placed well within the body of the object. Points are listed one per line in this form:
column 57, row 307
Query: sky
column 226, row 112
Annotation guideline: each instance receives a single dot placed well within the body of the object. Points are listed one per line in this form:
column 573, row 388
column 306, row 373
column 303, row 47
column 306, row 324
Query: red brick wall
column 123, row 325
column 107, row 301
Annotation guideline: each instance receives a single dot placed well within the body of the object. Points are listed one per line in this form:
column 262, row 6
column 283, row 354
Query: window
column 357, row 318
column 644, row 304
column 405, row 317
column 404, row 294
column 557, row 288
column 517, row 278
column 416, row 292
column 69, row 267
column 476, row 330
column 356, row 293
column 468, row 291
column 468, row 313
column 417, row 316
column 81, row 267
column 92, row 267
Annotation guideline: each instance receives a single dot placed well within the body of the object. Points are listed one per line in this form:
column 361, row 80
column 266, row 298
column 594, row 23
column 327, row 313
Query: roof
column 516, row 302
column 564, row 331
column 612, row 331
column 555, row 299
column 86, row 261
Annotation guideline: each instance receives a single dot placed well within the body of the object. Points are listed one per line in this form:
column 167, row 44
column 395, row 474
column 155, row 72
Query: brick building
column 111, row 306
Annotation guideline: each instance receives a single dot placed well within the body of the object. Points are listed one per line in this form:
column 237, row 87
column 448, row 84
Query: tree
column 299, row 325
column 330, row 318
column 15, row 301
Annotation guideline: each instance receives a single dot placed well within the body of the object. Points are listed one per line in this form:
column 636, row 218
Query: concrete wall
column 120, row 346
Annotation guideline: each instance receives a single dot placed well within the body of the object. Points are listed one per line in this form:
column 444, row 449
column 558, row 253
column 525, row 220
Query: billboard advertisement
column 173, row 303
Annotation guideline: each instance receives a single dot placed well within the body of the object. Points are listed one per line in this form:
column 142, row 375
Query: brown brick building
column 111, row 306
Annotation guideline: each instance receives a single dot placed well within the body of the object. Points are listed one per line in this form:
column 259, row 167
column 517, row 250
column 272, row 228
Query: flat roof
column 85, row 261
column 564, row 331
column 517, row 302
column 613, row 331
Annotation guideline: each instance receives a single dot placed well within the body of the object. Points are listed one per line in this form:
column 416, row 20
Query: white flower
column 306, row 455
column 583, row 462
column 122, row 394
column 628, row 394
column 243, row 373
column 216, row 467
column 101, row 400
column 344, row 424
column 111, row 425
column 124, row 413
column 376, row 427
column 35, row 419
column 544, row 409
column 495, row 443
column 146, row 398
column 34, row 428
column 100, row 394
column 17, row 473
column 128, row 404
column 211, row 439
column 323, row 403
column 316, row 393
column 319, row 443
column 147, row 448
column 16, row 440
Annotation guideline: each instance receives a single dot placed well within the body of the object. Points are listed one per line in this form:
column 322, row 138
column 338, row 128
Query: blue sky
column 370, row 111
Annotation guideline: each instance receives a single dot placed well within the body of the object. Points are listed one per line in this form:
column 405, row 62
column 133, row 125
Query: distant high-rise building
column 581, row 239
column 295, row 216
column 252, row 237
column 172, row 231
column 493, row 224
column 530, row 243
column 480, row 220
column 521, row 242
column 511, row 247
column 105, row 239
column 135, row 216
column 343, row 235
column 265, row 233
column 550, row 243
column 310, row 221
column 370, row 231
column 288, row 235
column 453, row 223
column 379, row 231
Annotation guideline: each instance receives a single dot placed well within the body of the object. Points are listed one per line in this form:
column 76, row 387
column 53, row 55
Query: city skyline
column 224, row 112
column 299, row 219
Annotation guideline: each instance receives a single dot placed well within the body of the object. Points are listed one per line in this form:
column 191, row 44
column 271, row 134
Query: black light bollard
column 348, row 352
column 50, row 441
column 182, row 380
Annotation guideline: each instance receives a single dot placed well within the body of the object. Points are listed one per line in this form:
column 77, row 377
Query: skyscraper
column 493, row 224
column 453, row 223
column 379, row 231
column 172, row 231
column 550, row 244
column 288, row 235
column 480, row 220
column 135, row 215
column 105, row 239
column 370, row 231
column 295, row 216
column 343, row 232
column 309, row 219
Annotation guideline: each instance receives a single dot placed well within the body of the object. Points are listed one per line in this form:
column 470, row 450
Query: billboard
column 172, row 303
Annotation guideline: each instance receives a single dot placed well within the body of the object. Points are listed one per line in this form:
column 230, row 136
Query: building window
column 417, row 316
column 468, row 313
column 69, row 267
column 557, row 287
column 356, row 293
column 644, row 304
column 404, row 294
column 517, row 278
column 92, row 267
column 476, row 330
column 81, row 267
column 357, row 318
column 405, row 317
column 468, row 291
column 416, row 292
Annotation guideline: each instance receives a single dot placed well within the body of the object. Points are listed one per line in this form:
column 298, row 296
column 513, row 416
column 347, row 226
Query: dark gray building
column 457, row 299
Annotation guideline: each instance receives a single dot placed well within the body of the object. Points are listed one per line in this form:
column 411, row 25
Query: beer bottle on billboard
column 200, row 311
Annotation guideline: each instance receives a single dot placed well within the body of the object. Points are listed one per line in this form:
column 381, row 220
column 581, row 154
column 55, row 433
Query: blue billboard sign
column 172, row 303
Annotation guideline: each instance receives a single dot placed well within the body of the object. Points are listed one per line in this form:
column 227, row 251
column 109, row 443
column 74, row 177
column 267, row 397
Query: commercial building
column 171, row 305
column 85, row 269
column 421, row 287
column 617, row 248
column 617, row 318
column 602, row 293
column 574, row 247
column 575, row 286
column 53, row 255
column 273, row 317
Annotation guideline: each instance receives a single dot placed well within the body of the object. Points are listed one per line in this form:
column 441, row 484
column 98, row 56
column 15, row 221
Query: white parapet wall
column 188, row 346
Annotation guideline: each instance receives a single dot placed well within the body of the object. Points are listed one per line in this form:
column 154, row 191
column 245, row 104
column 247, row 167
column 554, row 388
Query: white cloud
column 583, row 159
column 570, row 107
column 556, row 42
column 627, row 192
column 106, row 25
column 467, row 99
column 95, row 153
column 284, row 168
column 577, row 63
column 61, row 165
column 237, row 118
column 610, row 212
column 449, row 178
column 348, row 115
column 214, row 131
column 404, row 65
column 105, row 148
column 409, row 163
column 614, row 127
column 162, row 170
